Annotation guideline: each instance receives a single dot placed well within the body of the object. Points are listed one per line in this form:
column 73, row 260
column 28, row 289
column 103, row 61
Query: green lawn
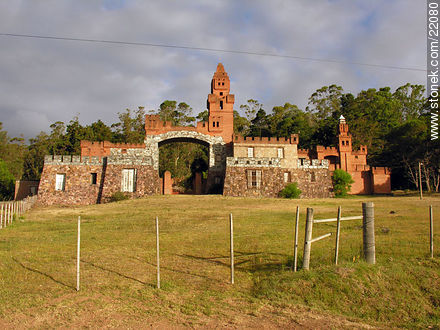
column 118, row 268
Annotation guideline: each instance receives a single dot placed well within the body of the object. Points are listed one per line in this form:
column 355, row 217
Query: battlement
column 72, row 160
column 381, row 170
column 314, row 163
column 303, row 152
column 107, row 144
column 252, row 162
column 361, row 168
column 326, row 149
column 361, row 151
column 293, row 139
column 100, row 149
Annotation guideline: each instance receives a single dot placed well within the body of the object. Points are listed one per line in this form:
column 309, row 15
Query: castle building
column 243, row 166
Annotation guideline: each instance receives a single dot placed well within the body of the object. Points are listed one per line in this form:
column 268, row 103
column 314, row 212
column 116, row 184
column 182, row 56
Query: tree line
column 394, row 125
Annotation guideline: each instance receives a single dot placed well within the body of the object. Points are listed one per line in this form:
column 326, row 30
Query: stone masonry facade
column 244, row 166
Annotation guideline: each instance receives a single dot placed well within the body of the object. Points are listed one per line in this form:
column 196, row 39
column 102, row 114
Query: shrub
column 341, row 182
column 290, row 191
column 118, row 196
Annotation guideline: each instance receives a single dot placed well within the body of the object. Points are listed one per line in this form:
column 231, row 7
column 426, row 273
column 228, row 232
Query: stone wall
column 79, row 189
column 317, row 185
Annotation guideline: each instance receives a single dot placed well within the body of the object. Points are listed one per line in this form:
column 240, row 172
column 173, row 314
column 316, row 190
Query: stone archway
column 215, row 144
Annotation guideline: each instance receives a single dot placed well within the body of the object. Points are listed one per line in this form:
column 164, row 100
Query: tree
column 178, row 114
column 289, row 119
column 203, row 116
column 341, row 182
column 241, row 124
column 131, row 126
column 260, row 125
column 325, row 101
column 251, row 109
column 7, row 182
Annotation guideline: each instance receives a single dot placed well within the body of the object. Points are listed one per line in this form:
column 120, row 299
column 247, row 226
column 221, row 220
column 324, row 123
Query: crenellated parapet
column 72, row 160
column 314, row 163
column 252, row 162
column 293, row 139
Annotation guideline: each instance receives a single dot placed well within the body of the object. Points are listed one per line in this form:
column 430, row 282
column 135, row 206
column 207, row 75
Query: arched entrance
column 216, row 152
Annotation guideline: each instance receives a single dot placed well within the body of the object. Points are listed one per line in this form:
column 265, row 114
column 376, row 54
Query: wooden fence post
column 231, row 241
column 295, row 250
column 431, row 232
column 9, row 213
column 338, row 230
column 308, row 238
column 157, row 253
column 368, row 232
column 1, row 216
column 78, row 253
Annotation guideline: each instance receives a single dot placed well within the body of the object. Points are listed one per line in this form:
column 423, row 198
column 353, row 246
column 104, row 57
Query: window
column 302, row 161
column 213, row 124
column 221, row 104
column 286, row 177
column 221, row 93
column 313, row 177
column 60, row 182
column 343, row 143
column 217, row 124
column 128, row 180
column 280, row 153
column 94, row 177
column 250, row 152
column 223, row 83
column 254, row 179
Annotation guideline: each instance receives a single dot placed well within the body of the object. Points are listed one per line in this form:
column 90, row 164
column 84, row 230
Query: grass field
column 118, row 268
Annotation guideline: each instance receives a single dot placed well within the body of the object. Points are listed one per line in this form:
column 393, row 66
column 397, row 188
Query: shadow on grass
column 177, row 270
column 254, row 266
column 115, row 272
column 44, row 274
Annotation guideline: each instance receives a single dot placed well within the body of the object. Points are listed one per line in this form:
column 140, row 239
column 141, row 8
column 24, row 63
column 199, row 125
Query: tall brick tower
column 221, row 106
column 345, row 146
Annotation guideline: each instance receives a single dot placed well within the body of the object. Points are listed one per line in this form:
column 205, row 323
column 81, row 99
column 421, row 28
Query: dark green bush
column 290, row 191
column 341, row 182
column 119, row 196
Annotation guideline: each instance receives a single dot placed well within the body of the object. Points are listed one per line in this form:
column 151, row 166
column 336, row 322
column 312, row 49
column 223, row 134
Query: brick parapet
column 381, row 170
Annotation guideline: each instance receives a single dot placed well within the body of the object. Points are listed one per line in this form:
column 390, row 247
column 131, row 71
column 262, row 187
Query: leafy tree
column 290, row 191
column 178, row 114
column 251, row 109
column 241, row 124
column 289, row 119
column 7, row 182
column 203, row 116
column 341, row 182
column 325, row 101
column 131, row 126
column 260, row 125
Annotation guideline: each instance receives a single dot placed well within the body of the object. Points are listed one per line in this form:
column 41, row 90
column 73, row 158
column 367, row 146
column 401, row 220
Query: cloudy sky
column 43, row 81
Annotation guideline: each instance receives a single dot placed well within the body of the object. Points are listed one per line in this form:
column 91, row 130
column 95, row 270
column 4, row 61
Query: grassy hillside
column 118, row 274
